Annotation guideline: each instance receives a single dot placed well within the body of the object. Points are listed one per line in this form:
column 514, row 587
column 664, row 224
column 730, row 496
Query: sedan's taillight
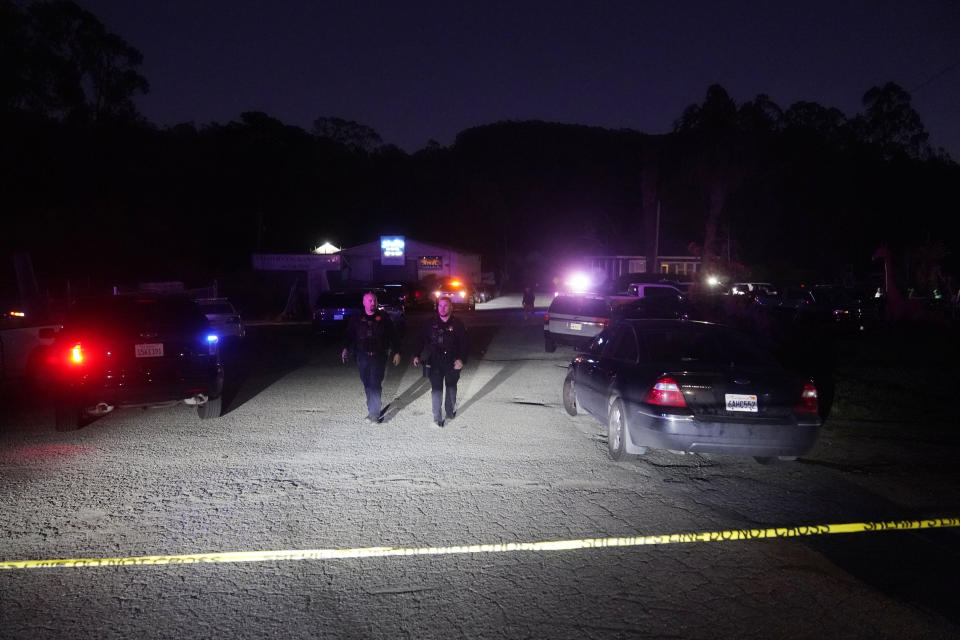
column 809, row 402
column 665, row 392
column 546, row 319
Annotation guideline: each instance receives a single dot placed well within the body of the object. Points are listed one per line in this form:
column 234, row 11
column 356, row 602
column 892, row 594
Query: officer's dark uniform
column 370, row 336
column 440, row 345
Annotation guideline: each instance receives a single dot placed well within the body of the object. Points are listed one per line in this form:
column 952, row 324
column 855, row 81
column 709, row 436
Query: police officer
column 443, row 345
column 371, row 335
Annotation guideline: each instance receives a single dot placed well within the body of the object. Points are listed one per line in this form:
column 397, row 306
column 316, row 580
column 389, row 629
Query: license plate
column 741, row 402
column 154, row 350
column 338, row 316
column 576, row 326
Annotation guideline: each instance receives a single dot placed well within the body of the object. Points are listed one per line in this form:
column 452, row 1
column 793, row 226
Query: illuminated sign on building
column 428, row 263
column 392, row 250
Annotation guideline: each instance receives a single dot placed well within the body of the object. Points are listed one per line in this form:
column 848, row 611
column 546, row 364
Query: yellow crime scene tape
column 730, row 535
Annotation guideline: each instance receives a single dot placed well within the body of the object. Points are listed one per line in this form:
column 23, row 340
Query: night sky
column 416, row 71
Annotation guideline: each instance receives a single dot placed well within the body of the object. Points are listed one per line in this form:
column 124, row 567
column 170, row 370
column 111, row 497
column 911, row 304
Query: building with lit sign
column 401, row 259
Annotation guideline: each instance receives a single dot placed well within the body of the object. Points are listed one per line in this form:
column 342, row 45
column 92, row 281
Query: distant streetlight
column 326, row 249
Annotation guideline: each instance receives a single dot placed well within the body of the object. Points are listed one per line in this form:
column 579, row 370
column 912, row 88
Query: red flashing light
column 76, row 354
column 665, row 392
column 809, row 402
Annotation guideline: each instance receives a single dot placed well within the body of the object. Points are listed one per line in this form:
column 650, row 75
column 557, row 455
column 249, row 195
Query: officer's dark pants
column 372, row 369
column 438, row 376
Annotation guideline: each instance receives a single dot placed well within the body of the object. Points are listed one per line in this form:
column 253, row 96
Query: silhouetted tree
column 63, row 63
column 711, row 133
column 353, row 135
column 891, row 123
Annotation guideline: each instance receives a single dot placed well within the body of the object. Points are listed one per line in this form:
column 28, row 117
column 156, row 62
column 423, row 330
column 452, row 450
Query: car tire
column 212, row 408
column 549, row 345
column 569, row 396
column 67, row 416
column 616, row 431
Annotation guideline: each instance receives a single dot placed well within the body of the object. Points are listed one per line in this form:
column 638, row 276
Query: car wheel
column 549, row 345
column 212, row 408
column 569, row 396
column 616, row 431
column 67, row 416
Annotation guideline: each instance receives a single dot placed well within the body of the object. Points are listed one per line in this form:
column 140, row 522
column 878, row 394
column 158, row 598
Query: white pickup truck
column 649, row 290
column 23, row 346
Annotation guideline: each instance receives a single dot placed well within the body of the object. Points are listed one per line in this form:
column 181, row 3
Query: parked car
column 694, row 387
column 483, row 292
column 648, row 290
column 574, row 320
column 845, row 309
column 24, row 341
column 831, row 307
column 459, row 292
column 224, row 318
column 334, row 308
column 672, row 307
column 753, row 289
column 395, row 294
column 134, row 351
column 420, row 297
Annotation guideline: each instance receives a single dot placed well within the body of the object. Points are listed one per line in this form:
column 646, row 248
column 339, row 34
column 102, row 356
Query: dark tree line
column 90, row 187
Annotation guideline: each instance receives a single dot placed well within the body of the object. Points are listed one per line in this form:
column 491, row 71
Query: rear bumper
column 567, row 339
column 683, row 433
column 120, row 393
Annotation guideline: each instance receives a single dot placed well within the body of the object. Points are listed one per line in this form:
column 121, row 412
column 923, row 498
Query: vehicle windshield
column 707, row 345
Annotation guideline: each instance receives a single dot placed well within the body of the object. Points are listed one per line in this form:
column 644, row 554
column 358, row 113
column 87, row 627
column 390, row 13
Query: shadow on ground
column 264, row 356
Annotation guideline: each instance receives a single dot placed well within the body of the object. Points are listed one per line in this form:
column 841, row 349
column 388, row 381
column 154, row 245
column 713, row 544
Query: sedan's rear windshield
column 132, row 313
column 709, row 345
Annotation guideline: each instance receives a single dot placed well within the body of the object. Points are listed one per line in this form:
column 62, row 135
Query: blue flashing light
column 212, row 338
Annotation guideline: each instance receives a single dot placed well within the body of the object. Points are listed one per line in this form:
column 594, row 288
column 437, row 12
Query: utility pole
column 656, row 244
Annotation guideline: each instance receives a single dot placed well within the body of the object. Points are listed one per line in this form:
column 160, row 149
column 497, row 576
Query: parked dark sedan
column 334, row 308
column 694, row 387
column 140, row 351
